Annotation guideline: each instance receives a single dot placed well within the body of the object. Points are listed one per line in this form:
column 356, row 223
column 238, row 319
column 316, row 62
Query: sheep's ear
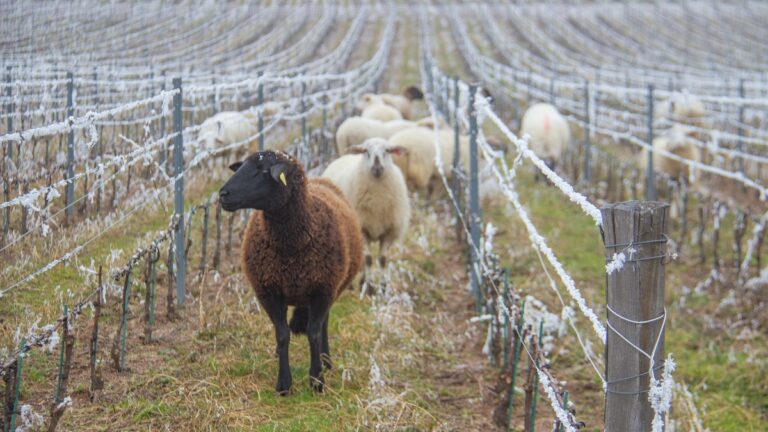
column 235, row 166
column 398, row 150
column 218, row 141
column 413, row 93
column 358, row 149
column 368, row 97
column 278, row 172
column 487, row 94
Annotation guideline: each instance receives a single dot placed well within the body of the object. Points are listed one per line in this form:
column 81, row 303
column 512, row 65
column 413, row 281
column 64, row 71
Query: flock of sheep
column 305, row 246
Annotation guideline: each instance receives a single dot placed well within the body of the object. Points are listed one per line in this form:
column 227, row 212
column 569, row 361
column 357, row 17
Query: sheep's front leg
column 318, row 315
column 278, row 311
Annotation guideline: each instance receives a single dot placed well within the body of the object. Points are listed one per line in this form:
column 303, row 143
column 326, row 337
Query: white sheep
column 418, row 163
column 682, row 108
column 372, row 106
column 548, row 131
column 403, row 102
column 356, row 130
column 376, row 190
column 227, row 127
column 677, row 141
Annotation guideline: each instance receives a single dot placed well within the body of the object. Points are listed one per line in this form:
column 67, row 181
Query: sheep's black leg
column 318, row 314
column 325, row 351
column 278, row 311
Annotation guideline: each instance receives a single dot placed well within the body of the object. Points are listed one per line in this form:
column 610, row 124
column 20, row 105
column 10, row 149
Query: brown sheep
column 302, row 249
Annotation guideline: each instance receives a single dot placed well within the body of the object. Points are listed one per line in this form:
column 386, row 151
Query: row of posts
column 178, row 160
column 13, row 374
column 178, row 163
column 650, row 178
column 638, row 313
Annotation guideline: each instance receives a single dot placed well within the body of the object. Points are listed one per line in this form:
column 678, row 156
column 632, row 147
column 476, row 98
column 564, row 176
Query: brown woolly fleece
column 311, row 246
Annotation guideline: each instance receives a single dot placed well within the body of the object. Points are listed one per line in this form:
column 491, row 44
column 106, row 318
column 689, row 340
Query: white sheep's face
column 367, row 100
column 377, row 154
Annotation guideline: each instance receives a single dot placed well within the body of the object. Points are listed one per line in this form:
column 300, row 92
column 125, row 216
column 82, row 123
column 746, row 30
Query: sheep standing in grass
column 548, row 131
column 376, row 189
column 372, row 106
column 302, row 249
column 403, row 102
column 676, row 141
column 356, row 130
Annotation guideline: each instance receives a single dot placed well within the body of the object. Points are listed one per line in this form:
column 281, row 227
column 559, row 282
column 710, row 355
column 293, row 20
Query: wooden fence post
column 65, row 366
column 636, row 313
column 96, row 382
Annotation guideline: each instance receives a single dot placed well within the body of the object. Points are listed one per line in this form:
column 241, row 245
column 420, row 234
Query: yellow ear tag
column 282, row 179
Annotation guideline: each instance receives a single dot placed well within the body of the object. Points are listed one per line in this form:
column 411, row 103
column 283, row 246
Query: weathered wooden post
column 169, row 303
column 636, row 313
column 118, row 344
column 65, row 366
column 217, row 250
column 149, row 295
column 717, row 210
column 738, row 236
column 95, row 382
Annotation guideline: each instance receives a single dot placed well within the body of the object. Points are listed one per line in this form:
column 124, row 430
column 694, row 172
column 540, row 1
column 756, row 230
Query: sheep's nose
column 223, row 192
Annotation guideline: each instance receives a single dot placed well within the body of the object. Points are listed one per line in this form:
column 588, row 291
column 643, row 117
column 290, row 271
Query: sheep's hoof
column 283, row 387
column 317, row 384
column 383, row 261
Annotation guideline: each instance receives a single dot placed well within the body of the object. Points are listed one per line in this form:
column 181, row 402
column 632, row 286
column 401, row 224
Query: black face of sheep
column 260, row 182
column 487, row 94
column 413, row 93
